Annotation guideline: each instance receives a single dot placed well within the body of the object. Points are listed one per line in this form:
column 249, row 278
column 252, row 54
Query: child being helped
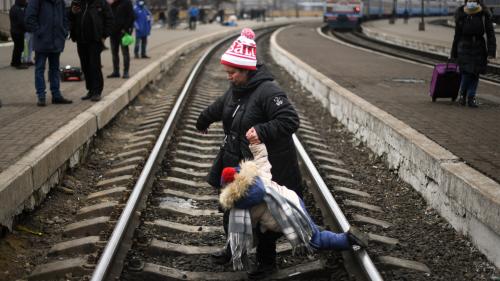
column 254, row 200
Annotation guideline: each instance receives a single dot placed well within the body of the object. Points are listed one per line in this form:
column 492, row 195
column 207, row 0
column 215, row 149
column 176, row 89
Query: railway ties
column 182, row 223
column 76, row 255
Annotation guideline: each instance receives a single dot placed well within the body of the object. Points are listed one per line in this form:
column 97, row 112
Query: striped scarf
column 294, row 223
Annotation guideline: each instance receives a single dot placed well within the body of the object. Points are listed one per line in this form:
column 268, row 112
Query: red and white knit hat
column 243, row 52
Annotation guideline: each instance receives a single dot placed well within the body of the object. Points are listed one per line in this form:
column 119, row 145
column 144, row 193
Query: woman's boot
column 472, row 102
column 462, row 98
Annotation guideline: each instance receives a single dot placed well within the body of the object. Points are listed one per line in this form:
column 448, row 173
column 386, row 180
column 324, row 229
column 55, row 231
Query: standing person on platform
column 222, row 16
column 472, row 52
column 91, row 22
column 17, row 30
column 203, row 16
column 142, row 26
column 193, row 14
column 162, row 18
column 253, row 110
column 123, row 13
column 48, row 21
column 173, row 14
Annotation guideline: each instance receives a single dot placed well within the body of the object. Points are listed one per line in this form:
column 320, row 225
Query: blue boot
column 357, row 237
column 327, row 240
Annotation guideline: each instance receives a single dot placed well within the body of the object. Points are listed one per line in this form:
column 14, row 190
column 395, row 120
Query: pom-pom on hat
column 243, row 52
column 227, row 175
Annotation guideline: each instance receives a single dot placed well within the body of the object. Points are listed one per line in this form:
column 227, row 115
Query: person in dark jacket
column 91, row 22
column 173, row 15
column 123, row 13
column 162, row 18
column 17, row 30
column 49, row 22
column 253, row 110
column 471, row 50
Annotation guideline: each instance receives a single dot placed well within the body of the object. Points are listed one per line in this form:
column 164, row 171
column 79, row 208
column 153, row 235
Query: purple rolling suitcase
column 445, row 81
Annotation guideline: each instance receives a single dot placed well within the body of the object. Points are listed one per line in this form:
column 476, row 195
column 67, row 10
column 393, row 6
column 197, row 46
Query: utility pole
column 368, row 9
column 392, row 19
column 421, row 25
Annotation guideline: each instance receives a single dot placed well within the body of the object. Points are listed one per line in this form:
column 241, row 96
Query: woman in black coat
column 253, row 110
column 472, row 21
column 259, row 107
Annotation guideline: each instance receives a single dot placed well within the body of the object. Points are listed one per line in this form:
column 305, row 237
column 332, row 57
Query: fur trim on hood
column 239, row 187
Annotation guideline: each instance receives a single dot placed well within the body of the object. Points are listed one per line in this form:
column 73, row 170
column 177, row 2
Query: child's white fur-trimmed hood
column 237, row 189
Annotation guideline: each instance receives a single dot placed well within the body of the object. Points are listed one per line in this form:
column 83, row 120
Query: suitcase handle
column 449, row 61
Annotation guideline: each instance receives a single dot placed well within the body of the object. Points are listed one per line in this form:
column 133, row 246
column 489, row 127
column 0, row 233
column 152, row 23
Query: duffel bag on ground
column 71, row 73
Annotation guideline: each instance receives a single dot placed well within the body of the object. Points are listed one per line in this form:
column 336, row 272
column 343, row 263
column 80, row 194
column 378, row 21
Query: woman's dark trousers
column 192, row 23
column 115, row 40
column 266, row 249
column 141, row 42
column 18, row 48
column 90, row 60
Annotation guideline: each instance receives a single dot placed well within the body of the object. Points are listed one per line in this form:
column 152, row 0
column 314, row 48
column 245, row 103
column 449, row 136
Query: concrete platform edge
column 402, row 42
column 469, row 200
column 24, row 185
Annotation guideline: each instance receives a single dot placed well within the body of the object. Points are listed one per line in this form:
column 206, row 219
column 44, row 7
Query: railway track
column 359, row 39
column 170, row 224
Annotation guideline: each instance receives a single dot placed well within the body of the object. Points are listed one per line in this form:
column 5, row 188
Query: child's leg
column 327, row 240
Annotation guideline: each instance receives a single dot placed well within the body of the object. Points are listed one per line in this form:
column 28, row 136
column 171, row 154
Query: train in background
column 494, row 6
column 348, row 14
column 342, row 14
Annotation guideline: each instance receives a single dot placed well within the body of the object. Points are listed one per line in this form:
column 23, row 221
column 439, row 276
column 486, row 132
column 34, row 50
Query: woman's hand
column 75, row 9
column 252, row 136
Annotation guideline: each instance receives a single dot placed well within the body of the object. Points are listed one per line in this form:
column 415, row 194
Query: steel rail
column 107, row 258
column 492, row 71
column 361, row 255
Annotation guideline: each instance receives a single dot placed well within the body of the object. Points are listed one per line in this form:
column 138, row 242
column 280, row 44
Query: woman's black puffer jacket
column 469, row 45
column 261, row 104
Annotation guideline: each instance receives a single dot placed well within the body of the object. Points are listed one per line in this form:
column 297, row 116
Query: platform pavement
column 23, row 124
column 33, row 139
column 450, row 154
column 435, row 38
